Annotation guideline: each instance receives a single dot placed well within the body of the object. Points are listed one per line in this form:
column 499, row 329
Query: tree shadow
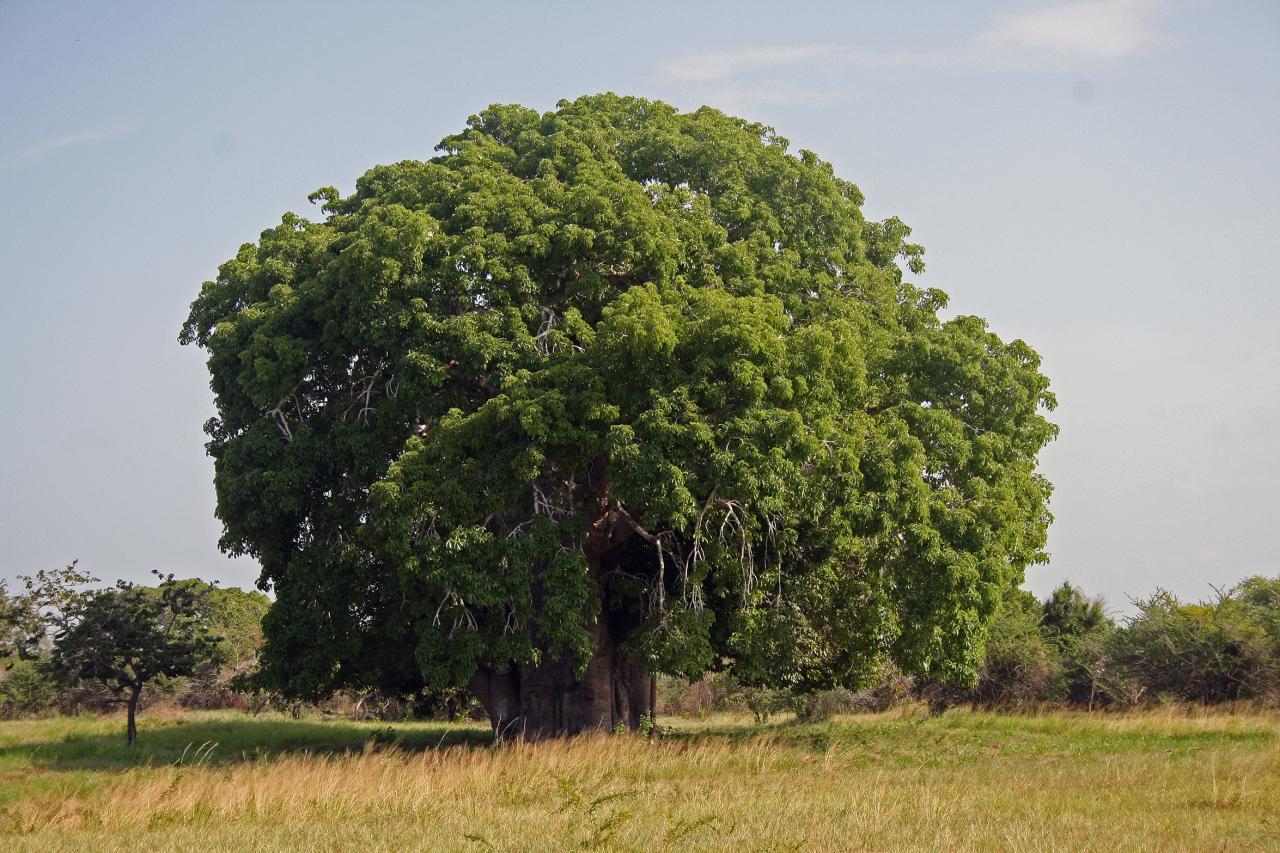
column 230, row 740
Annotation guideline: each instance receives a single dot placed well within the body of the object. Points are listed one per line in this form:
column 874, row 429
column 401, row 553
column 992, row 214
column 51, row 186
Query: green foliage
column 1068, row 613
column 1077, row 628
column 126, row 635
column 235, row 617
column 1068, row 649
column 26, row 688
column 1018, row 664
column 822, row 705
column 27, row 616
column 614, row 362
column 764, row 702
column 51, row 601
column 1259, row 601
column 26, row 684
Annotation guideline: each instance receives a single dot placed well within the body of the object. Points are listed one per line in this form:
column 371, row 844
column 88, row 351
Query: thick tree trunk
column 548, row 700
column 132, row 731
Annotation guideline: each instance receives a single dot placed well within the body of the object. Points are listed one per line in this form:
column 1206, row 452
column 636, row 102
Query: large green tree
column 606, row 392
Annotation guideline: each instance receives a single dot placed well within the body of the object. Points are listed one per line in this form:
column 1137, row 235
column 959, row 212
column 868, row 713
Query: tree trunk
column 551, row 700
column 653, row 706
column 548, row 700
column 134, row 693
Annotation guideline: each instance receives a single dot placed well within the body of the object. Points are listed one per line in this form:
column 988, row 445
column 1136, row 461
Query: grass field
column 1156, row 780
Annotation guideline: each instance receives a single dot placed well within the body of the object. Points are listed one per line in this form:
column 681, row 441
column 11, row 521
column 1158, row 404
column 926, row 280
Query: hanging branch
column 277, row 411
column 549, row 322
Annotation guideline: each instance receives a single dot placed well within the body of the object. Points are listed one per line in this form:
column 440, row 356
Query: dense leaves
column 614, row 363
column 1212, row 651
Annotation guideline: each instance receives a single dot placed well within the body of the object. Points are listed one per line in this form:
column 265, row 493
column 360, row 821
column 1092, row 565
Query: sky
column 1098, row 178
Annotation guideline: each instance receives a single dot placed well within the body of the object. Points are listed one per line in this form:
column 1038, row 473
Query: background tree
column 1077, row 627
column 234, row 615
column 1259, row 599
column 606, row 392
column 26, row 685
column 124, row 636
column 27, row 616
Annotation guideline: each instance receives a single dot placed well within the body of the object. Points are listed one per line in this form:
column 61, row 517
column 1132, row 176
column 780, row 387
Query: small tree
column 1076, row 628
column 26, row 685
column 124, row 636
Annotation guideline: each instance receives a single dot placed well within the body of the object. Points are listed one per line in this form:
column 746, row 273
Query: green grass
column 901, row 780
column 98, row 743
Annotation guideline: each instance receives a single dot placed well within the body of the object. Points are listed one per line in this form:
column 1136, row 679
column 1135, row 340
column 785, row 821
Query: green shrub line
column 1064, row 651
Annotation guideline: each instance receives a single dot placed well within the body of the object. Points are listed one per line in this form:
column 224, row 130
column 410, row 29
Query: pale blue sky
column 1098, row 178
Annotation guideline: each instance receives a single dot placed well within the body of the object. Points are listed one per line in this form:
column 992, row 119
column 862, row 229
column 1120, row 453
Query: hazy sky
column 1099, row 178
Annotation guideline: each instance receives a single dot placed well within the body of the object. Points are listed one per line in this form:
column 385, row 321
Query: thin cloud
column 714, row 66
column 48, row 146
column 1059, row 36
column 1101, row 29
column 741, row 100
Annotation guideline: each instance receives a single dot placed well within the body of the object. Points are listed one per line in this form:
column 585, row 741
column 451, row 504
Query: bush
column 1209, row 652
column 683, row 698
column 1019, row 665
column 1076, row 628
column 893, row 688
column 718, row 691
column 26, row 688
column 823, row 705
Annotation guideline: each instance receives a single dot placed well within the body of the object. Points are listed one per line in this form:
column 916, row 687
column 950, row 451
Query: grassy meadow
column 1155, row 780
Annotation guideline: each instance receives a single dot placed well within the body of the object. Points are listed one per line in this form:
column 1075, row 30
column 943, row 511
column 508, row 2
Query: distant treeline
column 1068, row 649
column 49, row 663
column 1065, row 650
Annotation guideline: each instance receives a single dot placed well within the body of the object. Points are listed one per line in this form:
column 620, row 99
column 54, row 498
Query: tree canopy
column 604, row 392
column 124, row 636
column 1067, row 612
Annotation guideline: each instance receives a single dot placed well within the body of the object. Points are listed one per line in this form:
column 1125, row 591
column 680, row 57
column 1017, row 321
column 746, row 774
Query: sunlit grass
column 901, row 780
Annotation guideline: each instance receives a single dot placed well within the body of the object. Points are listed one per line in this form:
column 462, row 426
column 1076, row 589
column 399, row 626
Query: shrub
column 1019, row 665
column 824, row 704
column 1076, row 628
column 764, row 702
column 1209, row 652
column 684, row 698
column 26, row 688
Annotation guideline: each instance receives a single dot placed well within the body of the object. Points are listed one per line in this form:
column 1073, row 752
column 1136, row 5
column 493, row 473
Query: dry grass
column 1151, row 781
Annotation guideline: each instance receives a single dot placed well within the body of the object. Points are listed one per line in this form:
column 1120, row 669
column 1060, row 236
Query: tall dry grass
column 1150, row 781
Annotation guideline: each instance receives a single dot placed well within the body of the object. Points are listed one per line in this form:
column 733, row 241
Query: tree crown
column 126, row 635
column 614, row 353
